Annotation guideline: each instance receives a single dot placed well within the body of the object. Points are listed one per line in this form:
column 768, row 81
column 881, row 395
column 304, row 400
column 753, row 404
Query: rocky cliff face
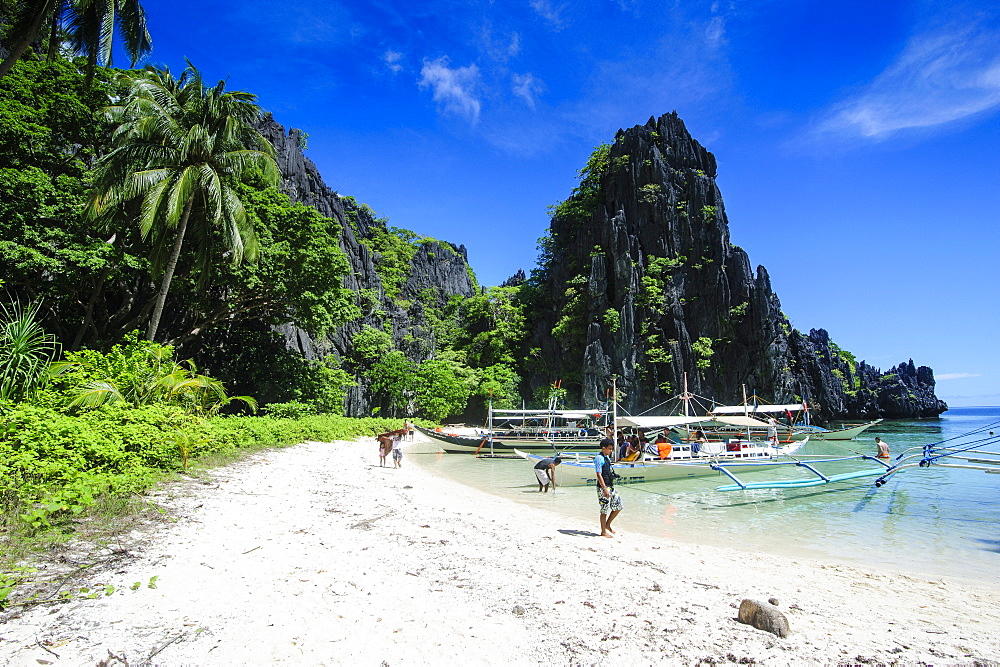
column 643, row 283
column 439, row 270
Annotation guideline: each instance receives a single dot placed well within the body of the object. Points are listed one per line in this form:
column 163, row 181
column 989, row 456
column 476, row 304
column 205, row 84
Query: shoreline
column 315, row 555
column 678, row 523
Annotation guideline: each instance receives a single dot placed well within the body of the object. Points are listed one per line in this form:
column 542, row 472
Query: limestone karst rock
column 643, row 282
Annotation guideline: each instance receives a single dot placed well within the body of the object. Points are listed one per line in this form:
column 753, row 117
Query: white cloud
column 715, row 32
column 392, row 59
column 526, row 86
column 514, row 47
column 454, row 89
column 500, row 48
column 549, row 12
column 956, row 376
column 939, row 77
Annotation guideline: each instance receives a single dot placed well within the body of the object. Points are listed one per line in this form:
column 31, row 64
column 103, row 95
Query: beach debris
column 518, row 610
column 168, row 643
column 367, row 523
column 763, row 616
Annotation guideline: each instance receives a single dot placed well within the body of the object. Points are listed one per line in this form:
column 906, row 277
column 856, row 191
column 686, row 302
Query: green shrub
column 54, row 465
column 289, row 410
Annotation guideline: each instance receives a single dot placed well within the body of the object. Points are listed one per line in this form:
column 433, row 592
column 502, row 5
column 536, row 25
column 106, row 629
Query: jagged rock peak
column 670, row 137
column 642, row 284
column 518, row 278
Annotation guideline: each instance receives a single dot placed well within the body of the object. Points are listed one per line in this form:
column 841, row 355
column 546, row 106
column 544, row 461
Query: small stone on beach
column 763, row 616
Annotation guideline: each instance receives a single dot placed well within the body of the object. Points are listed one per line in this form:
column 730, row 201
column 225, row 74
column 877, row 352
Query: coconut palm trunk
column 89, row 26
column 30, row 34
column 168, row 272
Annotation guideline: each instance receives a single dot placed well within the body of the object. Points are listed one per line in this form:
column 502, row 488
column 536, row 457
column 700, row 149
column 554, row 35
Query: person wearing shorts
column 608, row 499
column 545, row 471
column 397, row 450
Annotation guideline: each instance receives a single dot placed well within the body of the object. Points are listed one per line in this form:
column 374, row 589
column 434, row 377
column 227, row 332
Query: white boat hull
column 578, row 469
column 848, row 433
column 460, row 443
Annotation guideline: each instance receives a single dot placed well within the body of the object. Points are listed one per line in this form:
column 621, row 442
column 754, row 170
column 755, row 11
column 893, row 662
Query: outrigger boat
column 686, row 459
column 943, row 455
column 726, row 420
column 551, row 430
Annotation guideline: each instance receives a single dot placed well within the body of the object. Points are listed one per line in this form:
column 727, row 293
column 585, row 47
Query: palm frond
column 25, row 351
column 132, row 23
column 96, row 394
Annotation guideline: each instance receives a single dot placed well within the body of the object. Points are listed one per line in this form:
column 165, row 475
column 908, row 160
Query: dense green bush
column 53, row 465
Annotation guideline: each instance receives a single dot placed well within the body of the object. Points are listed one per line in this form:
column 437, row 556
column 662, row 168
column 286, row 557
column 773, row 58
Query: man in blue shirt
column 607, row 497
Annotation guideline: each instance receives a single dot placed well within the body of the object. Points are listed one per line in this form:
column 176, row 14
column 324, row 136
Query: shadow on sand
column 578, row 533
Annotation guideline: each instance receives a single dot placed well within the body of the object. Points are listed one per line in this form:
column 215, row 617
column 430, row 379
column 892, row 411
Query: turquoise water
column 934, row 521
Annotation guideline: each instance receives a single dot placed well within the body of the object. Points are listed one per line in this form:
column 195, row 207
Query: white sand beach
column 315, row 555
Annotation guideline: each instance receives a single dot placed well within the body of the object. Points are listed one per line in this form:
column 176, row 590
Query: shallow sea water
column 934, row 522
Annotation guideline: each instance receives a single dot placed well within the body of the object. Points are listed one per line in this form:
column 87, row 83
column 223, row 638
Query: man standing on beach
column 607, row 497
column 545, row 471
column 397, row 449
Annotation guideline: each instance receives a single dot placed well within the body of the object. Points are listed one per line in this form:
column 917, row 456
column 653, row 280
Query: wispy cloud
column 715, row 32
column 391, row 59
column 527, row 86
column 956, row 376
column 453, row 88
column 550, row 12
column 939, row 77
column 500, row 48
column 300, row 22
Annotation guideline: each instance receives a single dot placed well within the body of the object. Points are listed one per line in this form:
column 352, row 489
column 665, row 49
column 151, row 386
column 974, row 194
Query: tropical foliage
column 137, row 373
column 177, row 144
column 88, row 26
column 25, row 352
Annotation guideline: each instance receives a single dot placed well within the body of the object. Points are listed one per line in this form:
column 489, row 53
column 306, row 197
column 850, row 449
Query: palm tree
column 177, row 146
column 90, row 25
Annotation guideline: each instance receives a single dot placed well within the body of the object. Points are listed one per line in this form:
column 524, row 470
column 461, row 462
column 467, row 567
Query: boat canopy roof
column 740, row 420
column 751, row 409
column 665, row 421
column 568, row 414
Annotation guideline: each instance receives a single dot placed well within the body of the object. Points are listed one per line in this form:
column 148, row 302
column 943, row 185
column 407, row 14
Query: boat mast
column 746, row 412
column 489, row 421
column 614, row 415
column 686, row 397
column 551, row 421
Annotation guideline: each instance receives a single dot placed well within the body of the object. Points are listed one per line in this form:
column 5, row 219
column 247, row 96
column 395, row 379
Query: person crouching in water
column 883, row 448
column 545, row 471
column 608, row 499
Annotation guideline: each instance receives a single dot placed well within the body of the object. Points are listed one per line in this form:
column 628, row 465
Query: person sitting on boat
column 697, row 441
column 622, row 445
column 545, row 471
column 883, row 448
column 772, row 429
column 663, row 447
column 632, row 449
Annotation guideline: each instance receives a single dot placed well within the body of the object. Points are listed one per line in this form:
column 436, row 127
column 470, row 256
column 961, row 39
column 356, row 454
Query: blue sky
column 857, row 141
